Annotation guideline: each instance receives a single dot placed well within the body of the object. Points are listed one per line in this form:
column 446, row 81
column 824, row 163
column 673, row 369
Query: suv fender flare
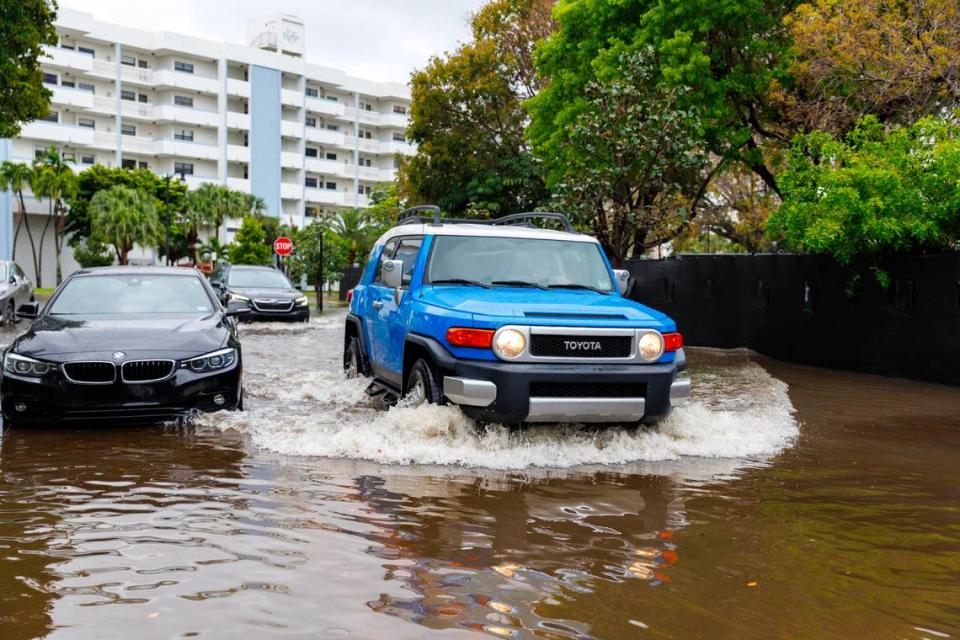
column 355, row 327
column 421, row 344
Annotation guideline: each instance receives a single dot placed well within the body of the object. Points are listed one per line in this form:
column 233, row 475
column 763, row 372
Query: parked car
column 123, row 343
column 268, row 293
column 511, row 322
column 15, row 290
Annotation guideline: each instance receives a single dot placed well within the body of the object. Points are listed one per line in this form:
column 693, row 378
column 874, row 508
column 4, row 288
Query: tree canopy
column 25, row 27
column 124, row 217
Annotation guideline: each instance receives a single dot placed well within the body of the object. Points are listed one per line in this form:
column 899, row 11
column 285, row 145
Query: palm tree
column 211, row 204
column 351, row 225
column 56, row 181
column 15, row 176
column 124, row 217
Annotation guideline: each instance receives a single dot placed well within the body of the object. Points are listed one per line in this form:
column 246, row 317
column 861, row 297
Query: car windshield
column 506, row 261
column 131, row 294
column 258, row 279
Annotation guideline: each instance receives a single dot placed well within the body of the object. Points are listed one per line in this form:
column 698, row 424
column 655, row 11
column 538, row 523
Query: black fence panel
column 812, row 310
column 351, row 276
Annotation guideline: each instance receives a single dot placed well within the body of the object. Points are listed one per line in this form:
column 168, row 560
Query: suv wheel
column 423, row 386
column 353, row 359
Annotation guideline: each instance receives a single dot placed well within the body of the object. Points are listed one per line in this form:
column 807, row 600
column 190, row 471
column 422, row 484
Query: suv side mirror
column 392, row 273
column 622, row 276
column 28, row 310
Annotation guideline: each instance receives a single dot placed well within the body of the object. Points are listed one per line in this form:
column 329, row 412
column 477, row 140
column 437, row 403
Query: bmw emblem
column 119, row 355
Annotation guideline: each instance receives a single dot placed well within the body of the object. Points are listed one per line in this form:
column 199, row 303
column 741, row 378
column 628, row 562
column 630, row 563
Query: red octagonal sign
column 283, row 246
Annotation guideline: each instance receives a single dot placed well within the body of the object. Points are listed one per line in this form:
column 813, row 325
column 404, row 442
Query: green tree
column 354, row 230
column 876, row 190
column 640, row 168
column 15, row 176
column 467, row 121
column 124, row 217
column 248, row 246
column 56, row 181
column 730, row 50
column 306, row 242
column 92, row 253
column 215, row 203
column 25, row 27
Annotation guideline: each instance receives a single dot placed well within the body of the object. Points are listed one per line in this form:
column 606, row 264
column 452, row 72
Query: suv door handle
column 378, row 304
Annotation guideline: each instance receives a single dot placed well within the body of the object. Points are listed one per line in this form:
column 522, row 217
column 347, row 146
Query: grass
column 44, row 291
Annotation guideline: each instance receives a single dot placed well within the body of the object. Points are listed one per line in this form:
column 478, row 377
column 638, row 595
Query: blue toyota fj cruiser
column 511, row 322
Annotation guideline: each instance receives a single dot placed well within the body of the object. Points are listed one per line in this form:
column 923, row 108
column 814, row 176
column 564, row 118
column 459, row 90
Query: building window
column 399, row 137
column 143, row 165
column 310, row 182
column 88, row 123
column 185, row 67
column 185, row 168
column 53, row 116
column 49, row 78
column 312, row 93
column 66, row 45
column 126, row 94
column 183, row 134
column 310, row 122
column 333, row 127
column 364, row 162
column 142, row 64
column 332, row 99
column 311, row 212
column 128, row 163
column 128, row 130
column 39, row 152
column 331, row 186
column 130, row 61
column 86, row 86
column 399, row 108
column 68, row 83
column 87, row 50
column 183, row 101
column 142, row 98
column 331, row 156
column 68, row 156
column 88, row 158
column 310, row 152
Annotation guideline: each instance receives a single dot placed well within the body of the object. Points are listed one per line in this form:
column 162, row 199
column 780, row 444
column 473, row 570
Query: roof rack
column 412, row 216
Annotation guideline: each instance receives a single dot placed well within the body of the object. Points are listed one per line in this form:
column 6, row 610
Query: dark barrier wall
column 351, row 276
column 811, row 310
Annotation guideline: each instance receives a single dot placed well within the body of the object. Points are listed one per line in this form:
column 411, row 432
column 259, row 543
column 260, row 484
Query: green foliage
column 467, row 121
column 124, row 217
column 16, row 176
column 249, row 244
column 25, row 27
column 306, row 252
column 874, row 191
column 54, row 180
column 353, row 228
column 92, row 253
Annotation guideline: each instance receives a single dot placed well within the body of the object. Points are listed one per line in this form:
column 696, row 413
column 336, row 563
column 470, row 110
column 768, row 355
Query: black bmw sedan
column 124, row 343
column 268, row 293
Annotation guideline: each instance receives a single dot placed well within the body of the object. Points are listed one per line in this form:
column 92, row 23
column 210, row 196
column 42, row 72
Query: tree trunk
column 58, row 240
column 43, row 237
column 33, row 246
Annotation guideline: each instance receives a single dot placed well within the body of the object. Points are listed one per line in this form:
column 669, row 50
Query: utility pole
column 166, row 207
column 320, row 267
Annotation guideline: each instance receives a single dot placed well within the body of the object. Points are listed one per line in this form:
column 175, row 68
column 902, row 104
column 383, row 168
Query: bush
column 249, row 245
column 91, row 253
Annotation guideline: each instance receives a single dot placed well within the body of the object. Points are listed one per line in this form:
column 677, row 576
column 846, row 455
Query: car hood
column 149, row 336
column 539, row 307
column 269, row 294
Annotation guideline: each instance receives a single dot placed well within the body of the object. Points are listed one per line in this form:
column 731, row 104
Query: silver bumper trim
column 475, row 393
column 586, row 409
column 679, row 391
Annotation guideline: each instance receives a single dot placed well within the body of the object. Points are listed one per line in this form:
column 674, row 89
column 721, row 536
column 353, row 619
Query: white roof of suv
column 467, row 229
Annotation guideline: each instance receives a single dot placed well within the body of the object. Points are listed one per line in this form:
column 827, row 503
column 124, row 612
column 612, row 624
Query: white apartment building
column 258, row 118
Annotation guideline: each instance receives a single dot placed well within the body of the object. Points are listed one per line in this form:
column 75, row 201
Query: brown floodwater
column 784, row 502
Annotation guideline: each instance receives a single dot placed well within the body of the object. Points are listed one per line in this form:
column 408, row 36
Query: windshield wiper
column 572, row 285
column 518, row 283
column 473, row 283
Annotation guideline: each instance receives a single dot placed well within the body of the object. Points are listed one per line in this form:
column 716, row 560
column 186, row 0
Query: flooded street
column 782, row 502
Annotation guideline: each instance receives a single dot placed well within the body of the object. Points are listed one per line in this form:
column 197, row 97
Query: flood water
column 782, row 502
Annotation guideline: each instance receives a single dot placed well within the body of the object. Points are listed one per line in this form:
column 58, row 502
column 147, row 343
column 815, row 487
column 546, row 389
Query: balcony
column 291, row 98
column 291, row 160
column 168, row 78
column 58, row 133
column 328, row 167
column 104, row 69
column 395, row 146
column 239, row 184
column 238, row 88
column 136, row 75
column 195, row 181
column 186, row 115
column 369, row 146
column 67, row 59
column 289, row 191
column 326, row 107
column 185, row 149
column 394, row 120
column 366, row 117
column 135, row 110
column 76, row 98
column 238, row 121
column 237, row 153
column 323, row 196
column 290, row 129
column 373, row 174
column 137, row 144
column 105, row 140
column 324, row 136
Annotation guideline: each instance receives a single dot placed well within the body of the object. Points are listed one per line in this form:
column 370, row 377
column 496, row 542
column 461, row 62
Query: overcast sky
column 372, row 39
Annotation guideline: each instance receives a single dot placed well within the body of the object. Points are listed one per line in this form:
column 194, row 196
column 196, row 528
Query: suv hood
column 269, row 294
column 539, row 307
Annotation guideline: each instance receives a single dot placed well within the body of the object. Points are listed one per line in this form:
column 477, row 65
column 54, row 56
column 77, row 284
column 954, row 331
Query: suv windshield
column 258, row 279
column 132, row 294
column 492, row 260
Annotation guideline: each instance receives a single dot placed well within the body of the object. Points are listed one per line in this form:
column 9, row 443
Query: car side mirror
column 622, row 276
column 392, row 273
column 28, row 310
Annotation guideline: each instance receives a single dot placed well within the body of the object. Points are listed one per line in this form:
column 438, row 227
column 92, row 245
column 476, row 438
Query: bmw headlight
column 24, row 366
column 650, row 346
column 302, row 301
column 509, row 344
column 211, row 361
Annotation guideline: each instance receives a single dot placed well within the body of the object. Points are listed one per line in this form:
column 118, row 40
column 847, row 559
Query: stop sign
column 283, row 246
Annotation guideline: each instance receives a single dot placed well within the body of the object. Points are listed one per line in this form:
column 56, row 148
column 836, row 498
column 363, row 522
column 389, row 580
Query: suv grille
column 580, row 346
column 265, row 305
column 146, row 370
column 90, row 372
column 587, row 390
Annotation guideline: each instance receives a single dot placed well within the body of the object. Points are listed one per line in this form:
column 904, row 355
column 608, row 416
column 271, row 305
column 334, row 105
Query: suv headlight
column 24, row 366
column 650, row 346
column 509, row 344
column 211, row 361
column 237, row 296
column 302, row 301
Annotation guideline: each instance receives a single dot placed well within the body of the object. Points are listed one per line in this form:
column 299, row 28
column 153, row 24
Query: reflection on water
column 845, row 527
